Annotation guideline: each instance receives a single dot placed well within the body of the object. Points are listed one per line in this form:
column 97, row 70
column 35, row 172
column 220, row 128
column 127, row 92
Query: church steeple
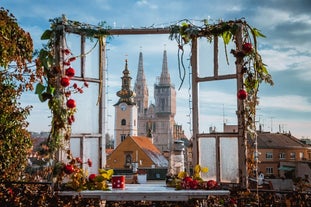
column 164, row 92
column 126, row 94
column 141, row 88
column 125, row 110
column 165, row 78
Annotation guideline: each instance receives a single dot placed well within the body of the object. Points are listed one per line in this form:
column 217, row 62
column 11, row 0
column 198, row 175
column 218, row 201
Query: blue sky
column 286, row 106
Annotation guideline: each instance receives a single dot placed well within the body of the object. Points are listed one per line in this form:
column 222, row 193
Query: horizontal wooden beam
column 219, row 77
column 136, row 31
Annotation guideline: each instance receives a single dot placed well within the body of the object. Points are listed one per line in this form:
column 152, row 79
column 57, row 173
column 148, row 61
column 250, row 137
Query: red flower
column 194, row 184
column 247, row 47
column 10, row 191
column 80, row 90
column 211, row 184
column 92, row 177
column 68, row 93
column 66, row 51
column 69, row 169
column 66, row 63
column 242, row 94
column 75, row 85
column 79, row 160
column 65, row 81
column 86, row 84
column 72, row 59
column 89, row 162
column 71, row 103
column 70, row 72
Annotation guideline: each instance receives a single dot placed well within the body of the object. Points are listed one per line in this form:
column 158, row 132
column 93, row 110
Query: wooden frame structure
column 196, row 79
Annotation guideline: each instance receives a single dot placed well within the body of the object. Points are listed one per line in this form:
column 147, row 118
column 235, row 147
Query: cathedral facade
column 135, row 116
column 156, row 120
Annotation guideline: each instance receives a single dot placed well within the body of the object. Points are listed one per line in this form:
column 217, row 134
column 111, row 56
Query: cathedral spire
column 140, row 73
column 140, row 88
column 165, row 76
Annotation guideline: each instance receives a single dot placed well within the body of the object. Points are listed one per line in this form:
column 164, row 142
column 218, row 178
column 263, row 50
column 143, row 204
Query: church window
column 162, row 104
column 123, row 122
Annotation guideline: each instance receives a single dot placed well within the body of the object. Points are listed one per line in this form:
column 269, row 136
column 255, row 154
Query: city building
column 157, row 120
column 280, row 154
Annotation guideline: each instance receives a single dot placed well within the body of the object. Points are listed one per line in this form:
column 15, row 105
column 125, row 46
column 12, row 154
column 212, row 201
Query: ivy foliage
column 254, row 70
column 51, row 64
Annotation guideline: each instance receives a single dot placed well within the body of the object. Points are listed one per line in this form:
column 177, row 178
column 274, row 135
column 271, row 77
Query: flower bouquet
column 185, row 181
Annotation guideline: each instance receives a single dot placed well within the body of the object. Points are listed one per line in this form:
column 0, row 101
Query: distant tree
column 109, row 141
column 16, row 51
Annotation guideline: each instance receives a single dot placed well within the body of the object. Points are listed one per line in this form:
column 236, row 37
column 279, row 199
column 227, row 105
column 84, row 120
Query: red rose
column 92, row 177
column 247, row 47
column 242, row 94
column 71, row 103
column 69, row 169
column 65, row 81
column 211, row 184
column 194, row 184
column 187, row 179
column 70, row 72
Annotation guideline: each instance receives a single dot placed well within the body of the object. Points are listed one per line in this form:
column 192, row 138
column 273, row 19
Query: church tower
column 165, row 107
column 125, row 110
column 141, row 99
column 141, row 88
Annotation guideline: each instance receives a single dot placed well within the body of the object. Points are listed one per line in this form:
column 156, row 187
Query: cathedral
column 136, row 117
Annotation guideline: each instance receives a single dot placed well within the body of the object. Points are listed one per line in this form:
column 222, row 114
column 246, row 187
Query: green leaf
column 39, row 88
column 50, row 90
column 226, row 35
column 257, row 33
column 46, row 35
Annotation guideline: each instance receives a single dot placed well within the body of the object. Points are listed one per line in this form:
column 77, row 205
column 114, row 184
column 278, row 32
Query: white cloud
column 145, row 3
column 286, row 102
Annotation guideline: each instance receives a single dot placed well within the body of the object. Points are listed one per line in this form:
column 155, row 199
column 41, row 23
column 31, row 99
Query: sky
column 284, row 107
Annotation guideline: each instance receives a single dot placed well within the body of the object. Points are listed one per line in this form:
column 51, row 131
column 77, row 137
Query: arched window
column 123, row 122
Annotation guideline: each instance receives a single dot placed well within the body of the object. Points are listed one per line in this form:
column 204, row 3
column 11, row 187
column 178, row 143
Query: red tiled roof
column 278, row 140
column 151, row 150
column 109, row 151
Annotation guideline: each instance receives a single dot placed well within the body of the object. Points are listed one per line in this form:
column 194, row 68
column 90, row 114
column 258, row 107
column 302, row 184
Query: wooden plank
column 218, row 77
column 146, row 192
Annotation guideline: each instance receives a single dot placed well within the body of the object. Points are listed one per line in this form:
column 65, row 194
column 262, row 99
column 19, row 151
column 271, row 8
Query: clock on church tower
column 125, row 110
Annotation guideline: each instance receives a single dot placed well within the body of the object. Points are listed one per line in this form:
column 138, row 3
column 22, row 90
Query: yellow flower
column 182, row 175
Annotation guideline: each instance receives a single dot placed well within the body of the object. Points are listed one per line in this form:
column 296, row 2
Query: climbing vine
column 54, row 65
column 254, row 70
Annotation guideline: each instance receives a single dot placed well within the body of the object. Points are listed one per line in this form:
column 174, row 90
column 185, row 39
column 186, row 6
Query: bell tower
column 165, row 107
column 125, row 110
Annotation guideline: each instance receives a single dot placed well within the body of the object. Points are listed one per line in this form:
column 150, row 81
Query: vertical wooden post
column 195, row 101
column 215, row 56
column 60, row 42
column 102, row 101
column 242, row 135
column 83, row 56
